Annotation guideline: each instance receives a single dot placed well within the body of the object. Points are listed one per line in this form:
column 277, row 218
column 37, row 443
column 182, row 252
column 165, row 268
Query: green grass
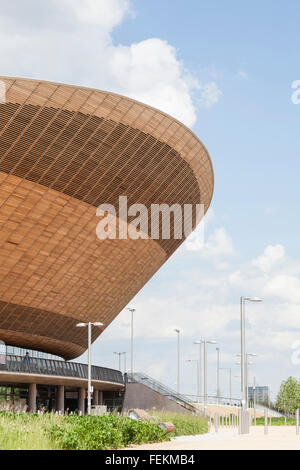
column 51, row 432
column 27, row 432
column 185, row 424
column 276, row 421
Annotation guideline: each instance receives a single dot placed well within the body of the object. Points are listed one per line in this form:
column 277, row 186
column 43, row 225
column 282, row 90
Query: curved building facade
column 64, row 150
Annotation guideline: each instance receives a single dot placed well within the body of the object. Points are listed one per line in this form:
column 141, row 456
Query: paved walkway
column 279, row 438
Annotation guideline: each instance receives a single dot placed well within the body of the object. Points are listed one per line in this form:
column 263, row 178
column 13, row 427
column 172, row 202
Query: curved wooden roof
column 63, row 151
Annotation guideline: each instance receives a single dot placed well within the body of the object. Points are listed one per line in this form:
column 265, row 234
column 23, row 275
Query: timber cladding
column 63, row 151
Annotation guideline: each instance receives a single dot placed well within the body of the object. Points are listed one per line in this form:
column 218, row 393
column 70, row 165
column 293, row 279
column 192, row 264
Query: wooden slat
column 63, row 151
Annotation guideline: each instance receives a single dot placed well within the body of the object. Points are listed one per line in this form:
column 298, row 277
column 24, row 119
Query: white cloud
column 216, row 245
column 219, row 244
column 272, row 256
column 102, row 13
column 71, row 41
column 209, row 94
column 158, row 317
column 243, row 74
column 204, row 302
column 149, row 71
column 286, row 287
column 269, row 210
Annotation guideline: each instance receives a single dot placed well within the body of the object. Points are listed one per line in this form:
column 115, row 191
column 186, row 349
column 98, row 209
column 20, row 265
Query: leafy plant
column 288, row 398
column 103, row 432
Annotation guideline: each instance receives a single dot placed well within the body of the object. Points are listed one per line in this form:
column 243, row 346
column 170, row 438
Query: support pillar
column 96, row 397
column 60, row 399
column 81, row 400
column 100, row 397
column 32, row 398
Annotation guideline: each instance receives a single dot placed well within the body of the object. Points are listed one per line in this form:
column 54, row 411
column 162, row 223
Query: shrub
column 103, row 432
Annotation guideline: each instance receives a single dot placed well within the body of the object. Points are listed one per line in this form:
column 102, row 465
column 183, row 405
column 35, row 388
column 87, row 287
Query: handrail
column 33, row 365
column 141, row 377
column 214, row 400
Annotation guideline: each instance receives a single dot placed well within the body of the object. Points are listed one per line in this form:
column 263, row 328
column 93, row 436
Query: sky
column 226, row 70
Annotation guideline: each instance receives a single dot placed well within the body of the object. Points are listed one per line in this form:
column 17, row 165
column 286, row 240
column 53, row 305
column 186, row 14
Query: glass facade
column 14, row 394
column 113, row 400
column 261, row 394
column 16, row 351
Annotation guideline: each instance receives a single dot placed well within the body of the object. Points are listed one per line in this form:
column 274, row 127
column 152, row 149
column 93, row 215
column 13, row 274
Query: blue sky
column 225, row 69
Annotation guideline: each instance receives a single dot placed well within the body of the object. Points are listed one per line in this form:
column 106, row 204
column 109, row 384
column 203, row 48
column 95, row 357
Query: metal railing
column 34, row 365
column 214, row 400
column 142, row 378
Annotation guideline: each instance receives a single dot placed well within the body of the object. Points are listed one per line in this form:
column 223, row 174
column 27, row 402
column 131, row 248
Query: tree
column 288, row 398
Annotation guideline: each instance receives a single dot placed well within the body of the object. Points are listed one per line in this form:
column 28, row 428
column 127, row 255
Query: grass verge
column 276, row 421
column 27, row 432
column 185, row 424
column 52, row 432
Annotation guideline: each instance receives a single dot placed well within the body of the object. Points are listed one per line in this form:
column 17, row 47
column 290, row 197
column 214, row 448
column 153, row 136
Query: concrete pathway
column 279, row 438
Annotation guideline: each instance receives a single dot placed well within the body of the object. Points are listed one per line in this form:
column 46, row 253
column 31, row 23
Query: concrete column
column 81, row 400
column 32, row 398
column 96, row 397
column 60, row 406
column 100, row 397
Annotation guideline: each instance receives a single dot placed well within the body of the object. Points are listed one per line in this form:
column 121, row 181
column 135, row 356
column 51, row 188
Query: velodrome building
column 64, row 150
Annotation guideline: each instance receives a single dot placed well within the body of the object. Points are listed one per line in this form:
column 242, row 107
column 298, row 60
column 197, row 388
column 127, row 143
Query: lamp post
column 218, row 375
column 230, row 382
column 125, row 362
column 243, row 347
column 254, row 399
column 89, row 326
column 132, row 310
column 200, row 342
column 197, row 363
column 178, row 359
column 248, row 363
column 206, row 342
column 120, row 354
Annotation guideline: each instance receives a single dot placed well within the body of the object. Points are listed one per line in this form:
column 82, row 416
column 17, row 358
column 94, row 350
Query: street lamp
column 248, row 363
column 200, row 342
column 121, row 354
column 243, row 346
column 132, row 310
column 197, row 363
column 178, row 359
column 206, row 342
column 218, row 375
column 230, row 387
column 89, row 326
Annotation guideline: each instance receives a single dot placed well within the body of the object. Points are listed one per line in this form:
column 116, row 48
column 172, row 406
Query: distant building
column 261, row 394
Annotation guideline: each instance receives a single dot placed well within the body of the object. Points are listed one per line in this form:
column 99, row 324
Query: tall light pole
column 243, row 349
column 230, row 382
column 248, row 363
column 125, row 362
column 200, row 342
column 218, row 375
column 254, row 399
column 197, row 363
column 120, row 354
column 132, row 310
column 89, row 326
column 178, row 359
column 206, row 342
